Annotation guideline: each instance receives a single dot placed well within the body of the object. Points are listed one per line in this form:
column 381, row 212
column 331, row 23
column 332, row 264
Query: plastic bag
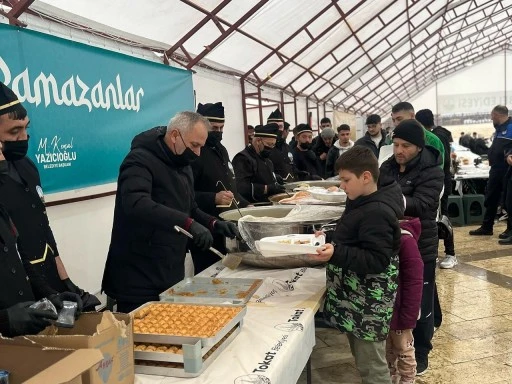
column 254, row 228
column 45, row 305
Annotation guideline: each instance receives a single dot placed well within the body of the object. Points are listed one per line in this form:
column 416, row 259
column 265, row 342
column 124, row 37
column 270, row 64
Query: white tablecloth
column 278, row 332
column 468, row 174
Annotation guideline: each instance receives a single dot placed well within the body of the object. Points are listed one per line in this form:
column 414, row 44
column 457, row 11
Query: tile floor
column 474, row 343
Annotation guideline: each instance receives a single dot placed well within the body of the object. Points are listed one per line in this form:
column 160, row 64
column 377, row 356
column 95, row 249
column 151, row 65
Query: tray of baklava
column 167, row 323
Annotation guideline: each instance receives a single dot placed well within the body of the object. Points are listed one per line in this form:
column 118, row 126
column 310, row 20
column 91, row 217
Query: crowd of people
column 381, row 257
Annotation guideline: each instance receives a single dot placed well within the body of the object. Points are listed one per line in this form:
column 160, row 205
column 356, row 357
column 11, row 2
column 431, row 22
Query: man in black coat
column 375, row 136
column 254, row 171
column 21, row 194
column 417, row 170
column 281, row 156
column 22, row 284
column 308, row 165
column 501, row 144
column 426, row 118
column 212, row 173
column 155, row 193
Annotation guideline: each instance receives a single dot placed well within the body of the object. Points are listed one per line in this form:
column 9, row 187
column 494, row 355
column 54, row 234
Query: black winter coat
column 20, row 280
column 146, row 254
column 308, row 165
column 421, row 183
column 366, row 141
column 252, row 174
column 368, row 233
column 282, row 159
column 22, row 195
column 214, row 165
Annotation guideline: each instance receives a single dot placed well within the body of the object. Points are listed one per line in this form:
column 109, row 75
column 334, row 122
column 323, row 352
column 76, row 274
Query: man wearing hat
column 417, row 169
column 21, row 194
column 22, row 284
column 308, row 165
column 254, row 171
column 281, row 157
column 322, row 146
column 375, row 136
column 212, row 173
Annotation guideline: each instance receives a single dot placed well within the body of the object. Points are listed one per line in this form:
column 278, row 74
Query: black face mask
column 4, row 169
column 266, row 152
column 214, row 138
column 185, row 158
column 15, row 150
column 305, row 146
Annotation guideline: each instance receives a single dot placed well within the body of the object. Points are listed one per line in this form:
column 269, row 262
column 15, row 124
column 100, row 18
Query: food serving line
column 271, row 332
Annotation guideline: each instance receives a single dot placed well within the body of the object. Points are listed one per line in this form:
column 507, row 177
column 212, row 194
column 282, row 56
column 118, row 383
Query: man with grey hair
column 155, row 192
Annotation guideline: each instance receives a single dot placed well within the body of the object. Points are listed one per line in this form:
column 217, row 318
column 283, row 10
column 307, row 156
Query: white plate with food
column 331, row 195
column 297, row 244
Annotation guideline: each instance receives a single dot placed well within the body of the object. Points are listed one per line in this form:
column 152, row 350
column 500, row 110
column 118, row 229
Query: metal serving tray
column 191, row 367
column 190, row 351
column 176, row 340
column 212, row 290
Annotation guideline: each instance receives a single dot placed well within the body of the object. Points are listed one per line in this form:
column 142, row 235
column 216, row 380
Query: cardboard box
column 109, row 332
column 32, row 363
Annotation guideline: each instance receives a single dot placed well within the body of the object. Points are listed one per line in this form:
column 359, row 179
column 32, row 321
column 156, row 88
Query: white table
column 468, row 174
column 278, row 332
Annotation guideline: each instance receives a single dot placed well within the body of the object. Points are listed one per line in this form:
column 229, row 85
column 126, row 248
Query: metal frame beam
column 225, row 34
column 17, row 9
column 438, row 31
column 275, row 51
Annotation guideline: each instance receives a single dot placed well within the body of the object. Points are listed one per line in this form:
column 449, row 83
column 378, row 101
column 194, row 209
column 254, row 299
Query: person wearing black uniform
column 254, row 171
column 280, row 156
column 22, row 196
column 22, row 284
column 212, row 172
column 308, row 165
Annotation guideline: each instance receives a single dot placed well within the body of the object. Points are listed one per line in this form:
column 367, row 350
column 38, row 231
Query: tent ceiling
column 354, row 54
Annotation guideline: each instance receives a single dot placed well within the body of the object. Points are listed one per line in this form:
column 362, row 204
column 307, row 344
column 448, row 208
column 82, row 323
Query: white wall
column 211, row 87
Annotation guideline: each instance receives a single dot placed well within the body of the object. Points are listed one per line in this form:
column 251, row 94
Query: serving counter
column 278, row 332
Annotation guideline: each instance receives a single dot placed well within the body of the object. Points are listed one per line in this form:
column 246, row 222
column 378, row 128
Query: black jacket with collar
column 252, row 173
column 421, row 183
column 146, row 254
column 282, row 159
column 366, row 141
column 212, row 166
column 308, row 165
column 23, row 198
column 20, row 280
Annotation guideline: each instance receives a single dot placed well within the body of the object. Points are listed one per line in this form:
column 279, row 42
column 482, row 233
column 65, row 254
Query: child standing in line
column 362, row 261
column 400, row 342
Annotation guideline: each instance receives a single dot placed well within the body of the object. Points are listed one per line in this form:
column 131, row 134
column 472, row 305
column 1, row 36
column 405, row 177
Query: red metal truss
column 435, row 63
column 17, row 9
column 489, row 3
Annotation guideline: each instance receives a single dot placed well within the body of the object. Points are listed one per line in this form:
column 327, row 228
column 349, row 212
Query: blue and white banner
column 86, row 104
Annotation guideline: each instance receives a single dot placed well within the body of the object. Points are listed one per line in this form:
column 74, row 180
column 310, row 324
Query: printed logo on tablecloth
column 289, row 327
column 252, row 379
column 287, row 285
column 292, row 324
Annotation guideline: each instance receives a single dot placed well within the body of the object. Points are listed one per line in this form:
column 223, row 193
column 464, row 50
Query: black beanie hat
column 411, row 131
